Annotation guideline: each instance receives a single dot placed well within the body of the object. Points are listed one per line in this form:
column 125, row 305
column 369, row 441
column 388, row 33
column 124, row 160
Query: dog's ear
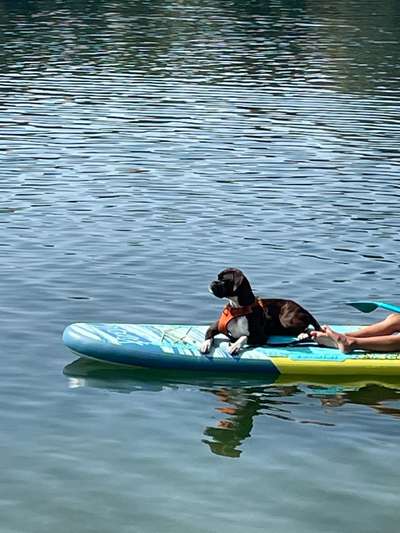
column 237, row 278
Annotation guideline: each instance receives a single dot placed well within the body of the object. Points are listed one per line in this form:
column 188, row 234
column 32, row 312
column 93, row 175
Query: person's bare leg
column 387, row 343
column 346, row 343
column 388, row 326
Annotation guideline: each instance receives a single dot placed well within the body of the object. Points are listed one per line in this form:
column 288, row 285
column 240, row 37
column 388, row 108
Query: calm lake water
column 144, row 146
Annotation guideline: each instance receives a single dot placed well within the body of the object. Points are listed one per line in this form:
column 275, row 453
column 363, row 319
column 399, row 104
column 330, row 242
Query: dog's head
column 231, row 282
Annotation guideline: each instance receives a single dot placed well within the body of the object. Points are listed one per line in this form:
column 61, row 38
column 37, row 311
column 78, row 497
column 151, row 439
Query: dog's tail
column 314, row 323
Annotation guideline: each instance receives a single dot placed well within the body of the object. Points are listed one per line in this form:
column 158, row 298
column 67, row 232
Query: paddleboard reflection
column 242, row 398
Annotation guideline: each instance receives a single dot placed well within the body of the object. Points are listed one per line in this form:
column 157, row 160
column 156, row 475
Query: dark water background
column 144, row 146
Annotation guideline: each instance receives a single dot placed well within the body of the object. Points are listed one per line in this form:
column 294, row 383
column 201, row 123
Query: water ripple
column 143, row 147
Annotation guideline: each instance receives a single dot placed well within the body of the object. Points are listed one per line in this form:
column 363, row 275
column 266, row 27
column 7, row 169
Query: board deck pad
column 178, row 346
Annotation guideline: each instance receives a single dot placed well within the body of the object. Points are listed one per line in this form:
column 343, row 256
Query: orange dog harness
column 229, row 313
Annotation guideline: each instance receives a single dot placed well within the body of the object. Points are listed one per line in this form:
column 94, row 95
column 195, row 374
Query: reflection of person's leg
column 388, row 326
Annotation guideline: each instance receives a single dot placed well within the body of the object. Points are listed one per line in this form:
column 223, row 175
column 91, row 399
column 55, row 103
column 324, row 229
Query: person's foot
column 332, row 339
column 322, row 338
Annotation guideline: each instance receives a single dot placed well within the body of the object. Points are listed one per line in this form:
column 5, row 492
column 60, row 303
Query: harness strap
column 229, row 313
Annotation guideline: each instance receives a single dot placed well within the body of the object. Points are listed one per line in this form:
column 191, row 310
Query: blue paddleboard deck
column 178, row 346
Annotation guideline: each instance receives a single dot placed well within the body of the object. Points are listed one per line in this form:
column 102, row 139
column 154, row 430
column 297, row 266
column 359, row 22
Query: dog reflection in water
column 241, row 406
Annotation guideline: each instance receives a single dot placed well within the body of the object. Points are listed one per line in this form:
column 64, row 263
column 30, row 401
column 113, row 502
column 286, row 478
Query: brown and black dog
column 251, row 320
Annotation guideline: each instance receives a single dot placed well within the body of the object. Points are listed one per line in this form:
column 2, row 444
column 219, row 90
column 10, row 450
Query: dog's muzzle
column 218, row 289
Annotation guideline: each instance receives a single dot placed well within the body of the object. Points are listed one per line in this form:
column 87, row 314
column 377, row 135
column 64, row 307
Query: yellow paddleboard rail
column 348, row 367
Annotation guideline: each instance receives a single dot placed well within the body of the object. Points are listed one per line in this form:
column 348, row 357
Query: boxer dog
column 250, row 320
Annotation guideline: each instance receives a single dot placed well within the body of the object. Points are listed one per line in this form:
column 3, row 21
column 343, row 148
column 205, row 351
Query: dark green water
column 144, row 146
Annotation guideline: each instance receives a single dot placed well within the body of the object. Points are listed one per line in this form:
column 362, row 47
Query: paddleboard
column 178, row 347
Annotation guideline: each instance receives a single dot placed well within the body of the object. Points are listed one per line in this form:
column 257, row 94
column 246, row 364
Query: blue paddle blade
column 368, row 306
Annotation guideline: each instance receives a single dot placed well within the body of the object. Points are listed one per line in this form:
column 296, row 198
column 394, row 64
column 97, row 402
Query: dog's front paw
column 206, row 346
column 235, row 347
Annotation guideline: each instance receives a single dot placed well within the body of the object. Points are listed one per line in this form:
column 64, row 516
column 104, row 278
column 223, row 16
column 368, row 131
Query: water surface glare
column 144, row 146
